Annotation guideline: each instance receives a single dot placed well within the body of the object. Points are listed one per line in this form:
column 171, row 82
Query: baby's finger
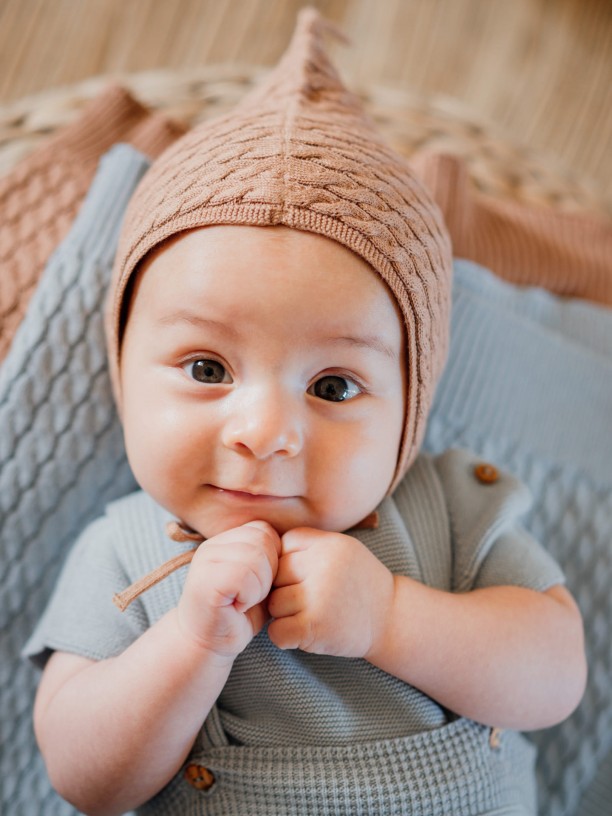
column 269, row 532
column 255, row 553
column 290, row 633
column 301, row 538
column 234, row 583
column 243, row 546
column 285, row 601
column 257, row 616
column 292, row 569
column 259, row 533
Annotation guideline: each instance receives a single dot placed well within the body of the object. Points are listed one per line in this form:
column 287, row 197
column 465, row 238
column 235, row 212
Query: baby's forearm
column 504, row 656
column 114, row 733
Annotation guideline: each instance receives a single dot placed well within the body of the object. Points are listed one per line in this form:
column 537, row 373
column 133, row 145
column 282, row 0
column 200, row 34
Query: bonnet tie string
column 177, row 532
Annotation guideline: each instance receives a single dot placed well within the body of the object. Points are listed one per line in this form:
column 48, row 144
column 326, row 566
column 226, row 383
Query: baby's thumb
column 258, row 616
column 267, row 528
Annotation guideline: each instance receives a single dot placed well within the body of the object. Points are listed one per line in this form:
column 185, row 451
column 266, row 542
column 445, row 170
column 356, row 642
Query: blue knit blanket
column 528, row 385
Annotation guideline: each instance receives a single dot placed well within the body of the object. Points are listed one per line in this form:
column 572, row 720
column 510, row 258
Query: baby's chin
column 213, row 511
column 209, row 525
column 209, row 529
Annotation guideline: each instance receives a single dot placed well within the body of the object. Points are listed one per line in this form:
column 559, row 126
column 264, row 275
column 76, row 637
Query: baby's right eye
column 209, row 372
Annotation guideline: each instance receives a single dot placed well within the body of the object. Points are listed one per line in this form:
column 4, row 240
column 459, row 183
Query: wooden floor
column 540, row 70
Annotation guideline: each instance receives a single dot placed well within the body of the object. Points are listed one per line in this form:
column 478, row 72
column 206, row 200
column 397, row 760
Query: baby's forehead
column 245, row 275
column 292, row 255
column 236, row 239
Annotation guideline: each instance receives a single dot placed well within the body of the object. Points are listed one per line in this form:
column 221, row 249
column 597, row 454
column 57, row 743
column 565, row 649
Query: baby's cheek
column 149, row 452
column 352, row 491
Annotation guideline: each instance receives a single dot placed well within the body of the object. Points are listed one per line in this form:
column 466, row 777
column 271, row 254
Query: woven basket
column 409, row 121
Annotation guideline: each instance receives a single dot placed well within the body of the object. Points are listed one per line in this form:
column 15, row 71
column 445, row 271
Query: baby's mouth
column 250, row 496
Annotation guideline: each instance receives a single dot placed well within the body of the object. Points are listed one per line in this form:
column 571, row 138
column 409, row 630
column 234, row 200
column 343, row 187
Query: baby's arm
column 114, row 732
column 504, row 656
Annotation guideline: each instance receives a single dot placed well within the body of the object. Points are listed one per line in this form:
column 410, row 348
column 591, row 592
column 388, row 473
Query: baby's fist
column 331, row 595
column 222, row 606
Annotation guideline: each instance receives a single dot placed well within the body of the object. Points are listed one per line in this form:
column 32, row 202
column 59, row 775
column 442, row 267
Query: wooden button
column 495, row 738
column 485, row 473
column 199, row 777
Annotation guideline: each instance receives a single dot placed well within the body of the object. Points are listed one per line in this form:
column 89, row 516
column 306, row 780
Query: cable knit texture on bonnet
column 299, row 151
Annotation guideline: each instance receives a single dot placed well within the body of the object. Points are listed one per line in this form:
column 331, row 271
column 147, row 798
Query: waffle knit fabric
column 40, row 197
column 569, row 254
column 299, row 151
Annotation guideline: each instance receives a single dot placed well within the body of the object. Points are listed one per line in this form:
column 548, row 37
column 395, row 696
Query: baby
column 345, row 625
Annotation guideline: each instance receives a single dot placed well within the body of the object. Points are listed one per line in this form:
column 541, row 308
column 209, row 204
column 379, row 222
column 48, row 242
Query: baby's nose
column 264, row 426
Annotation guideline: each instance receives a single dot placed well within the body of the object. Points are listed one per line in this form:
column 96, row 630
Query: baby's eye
column 334, row 388
column 210, row 372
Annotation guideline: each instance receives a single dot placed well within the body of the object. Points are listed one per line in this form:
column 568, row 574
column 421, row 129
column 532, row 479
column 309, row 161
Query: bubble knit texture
column 299, row 151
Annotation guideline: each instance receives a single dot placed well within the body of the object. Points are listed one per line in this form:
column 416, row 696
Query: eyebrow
column 194, row 319
column 367, row 341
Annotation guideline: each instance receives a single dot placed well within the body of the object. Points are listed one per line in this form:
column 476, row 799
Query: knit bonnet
column 299, row 151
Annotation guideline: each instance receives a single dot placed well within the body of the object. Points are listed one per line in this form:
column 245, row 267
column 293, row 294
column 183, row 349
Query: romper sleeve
column 80, row 617
column 490, row 545
column 518, row 559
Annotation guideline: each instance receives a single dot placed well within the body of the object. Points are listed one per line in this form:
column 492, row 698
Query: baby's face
column 262, row 378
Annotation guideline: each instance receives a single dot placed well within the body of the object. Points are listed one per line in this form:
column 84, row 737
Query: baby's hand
column 222, row 606
column 331, row 596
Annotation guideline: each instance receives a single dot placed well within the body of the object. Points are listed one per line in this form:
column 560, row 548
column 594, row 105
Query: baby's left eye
column 334, row 388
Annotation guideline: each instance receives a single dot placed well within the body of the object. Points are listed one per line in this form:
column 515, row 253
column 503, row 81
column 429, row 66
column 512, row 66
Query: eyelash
column 358, row 387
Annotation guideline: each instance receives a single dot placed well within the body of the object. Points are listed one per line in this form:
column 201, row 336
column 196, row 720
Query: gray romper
column 296, row 733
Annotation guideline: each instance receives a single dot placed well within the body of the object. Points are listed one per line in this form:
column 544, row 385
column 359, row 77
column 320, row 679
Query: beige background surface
column 540, row 71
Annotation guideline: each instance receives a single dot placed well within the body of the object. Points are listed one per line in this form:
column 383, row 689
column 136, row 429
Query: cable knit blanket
column 528, row 385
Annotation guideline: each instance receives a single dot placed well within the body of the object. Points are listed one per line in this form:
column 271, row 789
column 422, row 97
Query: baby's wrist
column 198, row 647
column 382, row 633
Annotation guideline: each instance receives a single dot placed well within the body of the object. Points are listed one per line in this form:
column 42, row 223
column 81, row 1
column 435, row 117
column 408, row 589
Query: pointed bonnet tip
column 305, row 69
column 311, row 24
column 308, row 42
column 306, row 65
